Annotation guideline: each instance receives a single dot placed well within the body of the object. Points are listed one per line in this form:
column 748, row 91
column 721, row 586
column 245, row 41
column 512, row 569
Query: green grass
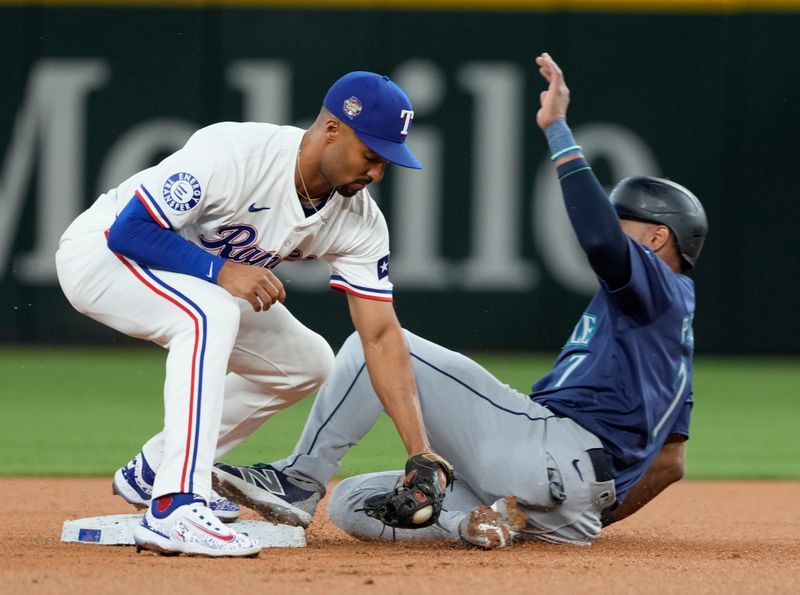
column 86, row 411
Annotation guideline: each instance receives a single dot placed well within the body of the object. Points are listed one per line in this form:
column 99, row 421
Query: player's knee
column 310, row 371
column 338, row 506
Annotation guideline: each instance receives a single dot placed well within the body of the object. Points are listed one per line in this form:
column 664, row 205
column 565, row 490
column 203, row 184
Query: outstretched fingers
column 555, row 99
column 549, row 70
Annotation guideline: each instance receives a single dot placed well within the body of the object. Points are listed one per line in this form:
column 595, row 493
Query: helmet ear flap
column 656, row 200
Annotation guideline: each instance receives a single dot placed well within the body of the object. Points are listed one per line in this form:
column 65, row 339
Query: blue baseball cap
column 378, row 111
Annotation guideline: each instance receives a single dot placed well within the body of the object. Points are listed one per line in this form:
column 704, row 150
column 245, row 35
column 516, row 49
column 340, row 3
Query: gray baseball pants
column 500, row 442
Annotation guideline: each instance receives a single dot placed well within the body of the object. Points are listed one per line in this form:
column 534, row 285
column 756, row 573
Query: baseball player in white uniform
column 181, row 254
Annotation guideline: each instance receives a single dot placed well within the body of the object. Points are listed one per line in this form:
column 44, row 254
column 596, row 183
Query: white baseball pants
column 228, row 368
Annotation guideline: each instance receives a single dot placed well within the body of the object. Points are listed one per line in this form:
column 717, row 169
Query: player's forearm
column 650, row 486
column 666, row 469
column 593, row 218
column 392, row 378
column 134, row 234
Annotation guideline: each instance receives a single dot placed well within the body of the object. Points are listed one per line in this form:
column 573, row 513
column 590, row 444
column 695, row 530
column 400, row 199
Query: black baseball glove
column 416, row 500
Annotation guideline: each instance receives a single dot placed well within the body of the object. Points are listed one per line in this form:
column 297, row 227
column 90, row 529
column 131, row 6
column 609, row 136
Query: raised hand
column 555, row 99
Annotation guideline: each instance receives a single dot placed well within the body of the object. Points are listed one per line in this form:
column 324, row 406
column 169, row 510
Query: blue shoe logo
column 254, row 209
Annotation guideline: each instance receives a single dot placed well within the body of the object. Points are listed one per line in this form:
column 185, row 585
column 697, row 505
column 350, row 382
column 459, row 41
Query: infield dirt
column 697, row 537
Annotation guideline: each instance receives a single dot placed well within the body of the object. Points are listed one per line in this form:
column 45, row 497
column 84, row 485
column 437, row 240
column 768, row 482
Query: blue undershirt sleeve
column 595, row 222
column 136, row 235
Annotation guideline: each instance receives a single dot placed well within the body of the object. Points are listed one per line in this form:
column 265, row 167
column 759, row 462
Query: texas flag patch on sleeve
column 383, row 267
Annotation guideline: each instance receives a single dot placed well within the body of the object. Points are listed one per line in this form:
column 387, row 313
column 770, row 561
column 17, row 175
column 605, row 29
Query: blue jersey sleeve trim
column 361, row 287
column 137, row 235
column 153, row 208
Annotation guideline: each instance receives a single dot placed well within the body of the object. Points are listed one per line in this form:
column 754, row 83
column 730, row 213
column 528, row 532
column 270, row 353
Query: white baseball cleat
column 192, row 529
column 134, row 484
column 495, row 526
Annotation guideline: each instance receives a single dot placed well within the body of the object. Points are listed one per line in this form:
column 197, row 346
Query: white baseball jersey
column 231, row 191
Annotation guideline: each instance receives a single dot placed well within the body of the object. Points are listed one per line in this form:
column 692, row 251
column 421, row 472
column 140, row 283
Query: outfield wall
column 482, row 255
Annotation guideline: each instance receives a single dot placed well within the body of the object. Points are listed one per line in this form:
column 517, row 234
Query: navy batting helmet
column 656, row 200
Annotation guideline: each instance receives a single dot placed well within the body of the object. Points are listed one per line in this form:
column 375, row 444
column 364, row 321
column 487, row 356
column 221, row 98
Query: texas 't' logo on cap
column 378, row 111
column 407, row 115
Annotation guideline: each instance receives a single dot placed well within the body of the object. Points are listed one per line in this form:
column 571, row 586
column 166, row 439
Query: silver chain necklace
column 307, row 196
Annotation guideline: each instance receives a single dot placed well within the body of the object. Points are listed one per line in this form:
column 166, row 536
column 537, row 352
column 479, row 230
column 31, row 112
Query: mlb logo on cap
column 378, row 111
column 352, row 107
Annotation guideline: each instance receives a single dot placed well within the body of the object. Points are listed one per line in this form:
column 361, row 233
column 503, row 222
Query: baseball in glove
column 416, row 500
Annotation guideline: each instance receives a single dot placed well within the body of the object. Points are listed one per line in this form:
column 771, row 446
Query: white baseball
column 422, row 515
